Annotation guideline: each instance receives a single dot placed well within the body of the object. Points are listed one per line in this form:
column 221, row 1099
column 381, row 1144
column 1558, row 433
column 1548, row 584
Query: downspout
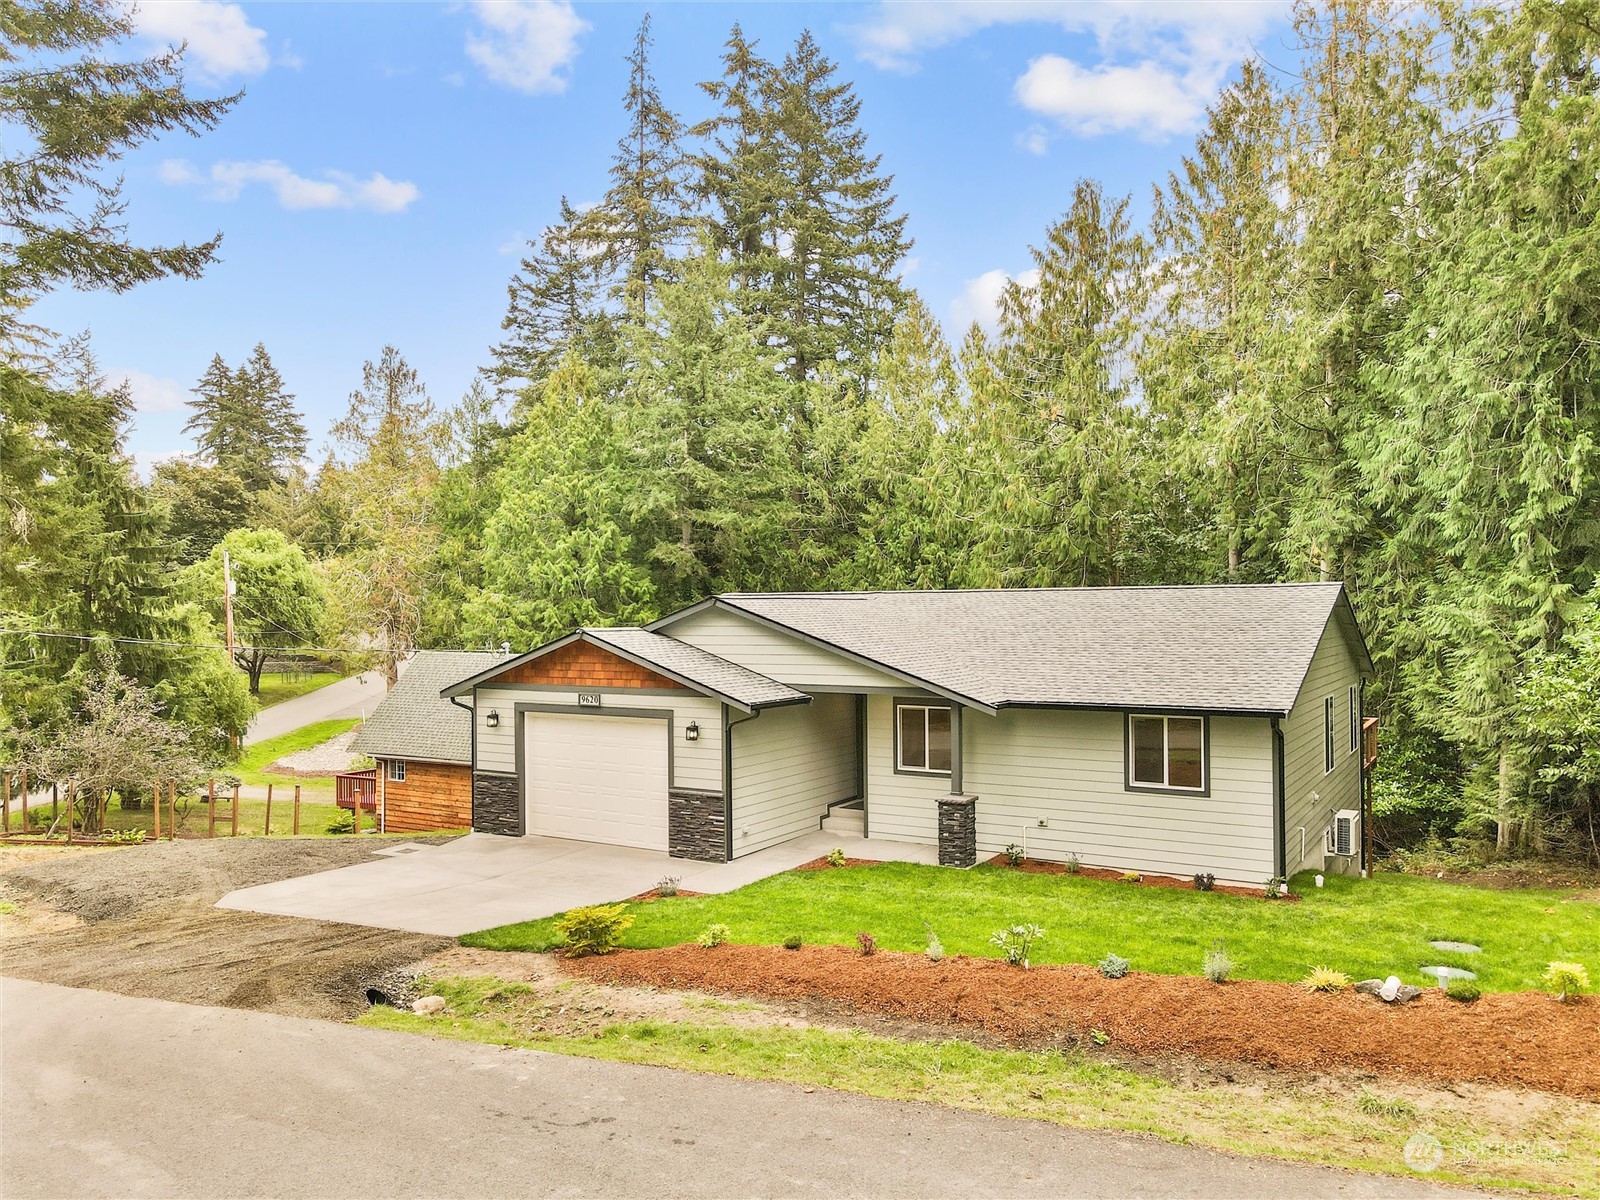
column 727, row 778
column 472, row 767
column 1279, row 850
column 1361, row 775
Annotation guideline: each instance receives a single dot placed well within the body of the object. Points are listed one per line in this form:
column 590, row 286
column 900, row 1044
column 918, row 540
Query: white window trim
column 899, row 742
column 395, row 765
column 1355, row 718
column 1329, row 758
column 1138, row 785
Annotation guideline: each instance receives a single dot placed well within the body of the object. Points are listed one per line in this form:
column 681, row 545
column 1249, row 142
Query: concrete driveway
column 481, row 880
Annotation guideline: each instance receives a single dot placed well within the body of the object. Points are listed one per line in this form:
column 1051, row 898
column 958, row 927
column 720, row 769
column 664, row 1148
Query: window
column 397, row 770
column 1327, row 735
column 922, row 738
column 1355, row 719
column 1167, row 752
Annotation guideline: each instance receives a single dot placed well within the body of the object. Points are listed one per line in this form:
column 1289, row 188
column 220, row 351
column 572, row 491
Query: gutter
column 727, row 777
column 472, row 722
column 1279, row 852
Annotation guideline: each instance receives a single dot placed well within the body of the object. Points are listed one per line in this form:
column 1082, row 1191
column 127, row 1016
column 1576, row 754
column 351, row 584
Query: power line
column 91, row 637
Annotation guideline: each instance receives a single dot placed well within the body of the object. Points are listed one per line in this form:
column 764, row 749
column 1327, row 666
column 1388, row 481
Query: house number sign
column 588, row 699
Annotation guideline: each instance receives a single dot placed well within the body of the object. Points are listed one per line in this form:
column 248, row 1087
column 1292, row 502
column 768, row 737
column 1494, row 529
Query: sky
column 388, row 162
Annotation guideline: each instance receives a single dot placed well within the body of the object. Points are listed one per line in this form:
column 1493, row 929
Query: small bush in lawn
column 1463, row 991
column 1274, row 887
column 1113, row 966
column 596, row 929
column 1014, row 854
column 1384, row 1106
column 867, row 943
column 1073, row 866
column 1325, row 979
column 1204, row 881
column 1568, row 980
column 668, row 885
column 125, row 837
column 792, row 942
column 1217, row 966
column 1015, row 943
column 343, row 821
column 713, row 935
column 935, row 949
column 1132, row 877
column 836, row 857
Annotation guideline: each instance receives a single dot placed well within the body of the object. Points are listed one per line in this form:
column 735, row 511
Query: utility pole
column 227, row 631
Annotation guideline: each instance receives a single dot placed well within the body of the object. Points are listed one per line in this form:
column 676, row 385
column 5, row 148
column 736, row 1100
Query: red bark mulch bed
column 1034, row 866
column 1524, row 1039
column 655, row 894
column 822, row 864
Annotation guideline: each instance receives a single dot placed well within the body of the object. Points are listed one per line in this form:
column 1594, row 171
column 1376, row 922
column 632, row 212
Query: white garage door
column 597, row 779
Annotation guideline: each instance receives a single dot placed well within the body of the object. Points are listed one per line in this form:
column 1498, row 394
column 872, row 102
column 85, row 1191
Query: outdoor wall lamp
column 691, row 732
column 492, row 719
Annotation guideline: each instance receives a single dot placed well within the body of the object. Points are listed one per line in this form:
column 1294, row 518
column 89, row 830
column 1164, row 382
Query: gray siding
column 776, row 655
column 789, row 764
column 696, row 765
column 1311, row 796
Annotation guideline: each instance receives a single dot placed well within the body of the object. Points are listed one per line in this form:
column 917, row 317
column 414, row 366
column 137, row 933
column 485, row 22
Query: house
column 423, row 747
column 1171, row 730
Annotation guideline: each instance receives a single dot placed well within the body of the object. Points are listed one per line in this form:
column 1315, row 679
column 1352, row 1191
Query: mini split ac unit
column 1344, row 832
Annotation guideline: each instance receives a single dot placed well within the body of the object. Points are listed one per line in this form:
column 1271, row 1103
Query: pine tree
column 283, row 441
column 736, row 169
column 245, row 422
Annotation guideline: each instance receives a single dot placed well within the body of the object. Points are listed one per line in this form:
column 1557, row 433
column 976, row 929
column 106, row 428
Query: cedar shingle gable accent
column 584, row 665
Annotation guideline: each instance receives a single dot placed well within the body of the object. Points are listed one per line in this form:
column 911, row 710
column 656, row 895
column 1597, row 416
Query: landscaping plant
column 1325, row 979
column 1568, row 980
column 1463, row 991
column 1274, row 887
column 1113, row 966
column 792, row 942
column 1015, row 942
column 595, row 929
column 836, row 857
column 1072, row 865
column 343, row 822
column 935, row 950
column 124, row 837
column 867, row 943
column 1204, row 881
column 713, row 935
column 668, row 885
column 1217, row 966
column 1132, row 877
column 1014, row 854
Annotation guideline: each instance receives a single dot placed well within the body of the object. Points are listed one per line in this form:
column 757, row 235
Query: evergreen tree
column 245, row 422
column 201, row 504
column 736, row 169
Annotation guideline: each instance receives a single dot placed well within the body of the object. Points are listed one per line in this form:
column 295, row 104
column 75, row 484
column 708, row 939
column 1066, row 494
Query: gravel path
column 331, row 756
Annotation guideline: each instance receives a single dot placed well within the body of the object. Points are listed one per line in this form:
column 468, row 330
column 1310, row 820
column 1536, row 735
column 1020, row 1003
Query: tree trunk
column 1505, row 826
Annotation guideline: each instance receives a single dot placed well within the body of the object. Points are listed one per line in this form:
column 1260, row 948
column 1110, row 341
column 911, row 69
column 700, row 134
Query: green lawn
column 252, row 764
column 277, row 687
column 1363, row 927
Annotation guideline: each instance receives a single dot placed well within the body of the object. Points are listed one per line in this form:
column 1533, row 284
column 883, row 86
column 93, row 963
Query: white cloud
column 1147, row 97
column 527, row 45
column 336, row 189
column 222, row 42
column 151, row 393
column 1153, row 68
column 979, row 300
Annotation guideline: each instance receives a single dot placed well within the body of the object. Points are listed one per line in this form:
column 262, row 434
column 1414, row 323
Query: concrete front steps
column 845, row 819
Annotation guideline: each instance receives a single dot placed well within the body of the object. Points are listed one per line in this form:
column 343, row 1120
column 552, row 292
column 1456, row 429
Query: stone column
column 958, row 831
column 697, row 826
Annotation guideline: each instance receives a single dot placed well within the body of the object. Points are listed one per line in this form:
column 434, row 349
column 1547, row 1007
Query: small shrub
column 344, row 821
column 125, row 837
column 595, row 929
column 836, row 857
column 1073, row 866
column 1205, row 881
column 1217, row 966
column 1132, row 877
column 668, row 885
column 1113, row 966
column 1014, row 854
column 792, row 942
column 1274, row 887
column 1325, row 979
column 713, row 935
column 1463, row 991
column 1384, row 1106
column 1015, row 943
column 935, row 949
column 867, row 943
column 1099, row 1037
column 1568, row 980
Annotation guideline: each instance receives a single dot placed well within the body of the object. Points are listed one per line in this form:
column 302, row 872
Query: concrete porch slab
column 480, row 881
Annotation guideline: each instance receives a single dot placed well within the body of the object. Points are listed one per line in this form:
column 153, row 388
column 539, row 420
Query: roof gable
column 414, row 720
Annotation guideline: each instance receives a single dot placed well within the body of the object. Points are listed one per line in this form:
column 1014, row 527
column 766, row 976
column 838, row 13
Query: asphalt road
column 356, row 696
column 109, row 1095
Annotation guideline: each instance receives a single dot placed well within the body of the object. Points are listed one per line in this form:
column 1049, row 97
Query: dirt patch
column 822, row 864
column 140, row 921
column 1034, row 866
column 1521, row 1040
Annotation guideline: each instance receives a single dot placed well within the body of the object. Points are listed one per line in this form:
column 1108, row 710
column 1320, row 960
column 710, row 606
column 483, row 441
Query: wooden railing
column 1369, row 742
column 348, row 786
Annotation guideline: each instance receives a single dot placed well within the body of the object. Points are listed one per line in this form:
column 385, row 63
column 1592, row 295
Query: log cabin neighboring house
column 423, row 745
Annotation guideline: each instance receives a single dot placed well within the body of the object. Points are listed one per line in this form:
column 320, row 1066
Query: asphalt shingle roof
column 1236, row 648
column 414, row 721
column 698, row 667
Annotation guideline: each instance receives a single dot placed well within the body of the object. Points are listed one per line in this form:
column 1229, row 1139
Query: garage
column 598, row 778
